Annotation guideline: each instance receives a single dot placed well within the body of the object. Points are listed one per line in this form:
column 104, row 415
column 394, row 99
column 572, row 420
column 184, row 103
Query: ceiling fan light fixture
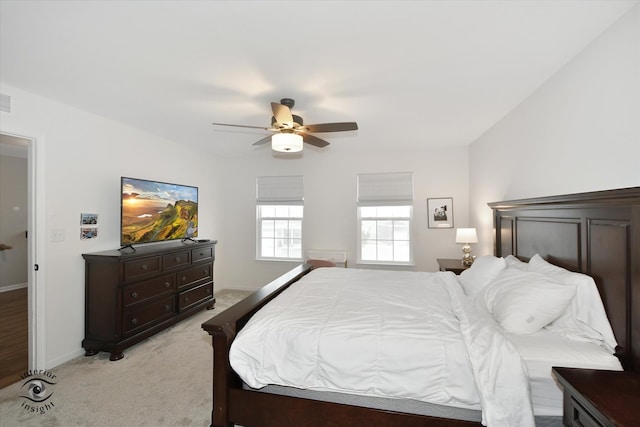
column 286, row 142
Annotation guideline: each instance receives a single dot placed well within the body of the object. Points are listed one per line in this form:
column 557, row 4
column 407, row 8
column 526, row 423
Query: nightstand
column 454, row 265
column 599, row 398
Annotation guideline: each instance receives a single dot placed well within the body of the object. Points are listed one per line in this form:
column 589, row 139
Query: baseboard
column 62, row 359
column 13, row 287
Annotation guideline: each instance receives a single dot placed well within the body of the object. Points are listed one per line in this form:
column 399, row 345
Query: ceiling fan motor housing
column 288, row 102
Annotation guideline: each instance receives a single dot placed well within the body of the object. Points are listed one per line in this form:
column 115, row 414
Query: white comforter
column 385, row 333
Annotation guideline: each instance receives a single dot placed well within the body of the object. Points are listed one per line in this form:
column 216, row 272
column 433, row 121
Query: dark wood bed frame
column 597, row 233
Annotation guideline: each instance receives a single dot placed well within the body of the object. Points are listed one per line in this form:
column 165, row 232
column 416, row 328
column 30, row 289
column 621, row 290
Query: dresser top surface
column 149, row 249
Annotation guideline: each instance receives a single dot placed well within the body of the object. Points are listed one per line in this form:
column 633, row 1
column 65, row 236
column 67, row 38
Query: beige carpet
column 162, row 381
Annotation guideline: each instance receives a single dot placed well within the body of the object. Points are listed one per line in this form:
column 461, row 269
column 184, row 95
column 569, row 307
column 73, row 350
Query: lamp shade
column 466, row 235
column 286, row 142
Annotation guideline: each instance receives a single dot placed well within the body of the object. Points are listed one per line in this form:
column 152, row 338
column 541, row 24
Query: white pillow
column 482, row 272
column 585, row 319
column 514, row 262
column 524, row 302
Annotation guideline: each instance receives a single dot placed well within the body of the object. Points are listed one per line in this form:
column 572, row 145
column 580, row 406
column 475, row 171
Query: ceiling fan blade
column 314, row 140
column 332, row 127
column 263, row 140
column 241, row 126
column 282, row 113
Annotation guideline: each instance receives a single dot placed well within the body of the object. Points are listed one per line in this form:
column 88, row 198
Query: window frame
column 289, row 218
column 409, row 219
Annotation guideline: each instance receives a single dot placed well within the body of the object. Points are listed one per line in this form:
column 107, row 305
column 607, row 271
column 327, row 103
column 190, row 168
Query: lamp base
column 467, row 259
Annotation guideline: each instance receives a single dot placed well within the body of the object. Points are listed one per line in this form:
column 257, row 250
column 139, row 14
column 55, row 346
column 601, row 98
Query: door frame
column 35, row 240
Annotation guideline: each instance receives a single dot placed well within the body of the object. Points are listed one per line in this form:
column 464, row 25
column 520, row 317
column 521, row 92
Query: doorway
column 15, row 286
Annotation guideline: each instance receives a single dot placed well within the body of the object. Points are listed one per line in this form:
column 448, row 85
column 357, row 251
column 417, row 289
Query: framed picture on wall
column 88, row 219
column 88, row 233
column 440, row 212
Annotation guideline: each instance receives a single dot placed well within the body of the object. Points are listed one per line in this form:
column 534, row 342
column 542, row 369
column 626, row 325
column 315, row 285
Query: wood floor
column 14, row 347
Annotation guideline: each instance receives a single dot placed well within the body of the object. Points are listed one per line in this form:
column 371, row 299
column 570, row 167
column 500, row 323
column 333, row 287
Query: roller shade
column 393, row 187
column 279, row 190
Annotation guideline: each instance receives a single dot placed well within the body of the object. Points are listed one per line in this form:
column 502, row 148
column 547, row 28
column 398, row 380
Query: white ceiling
column 411, row 73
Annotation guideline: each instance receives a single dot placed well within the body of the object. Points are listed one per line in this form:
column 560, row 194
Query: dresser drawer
column 194, row 296
column 144, row 317
column 175, row 259
column 194, row 275
column 142, row 266
column 201, row 254
column 141, row 291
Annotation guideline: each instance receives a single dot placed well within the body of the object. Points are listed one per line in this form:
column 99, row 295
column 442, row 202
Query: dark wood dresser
column 130, row 296
column 599, row 398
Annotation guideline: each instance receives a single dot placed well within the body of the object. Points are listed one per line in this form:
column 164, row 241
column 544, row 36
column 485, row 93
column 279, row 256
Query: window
column 385, row 208
column 385, row 233
column 279, row 213
column 280, row 231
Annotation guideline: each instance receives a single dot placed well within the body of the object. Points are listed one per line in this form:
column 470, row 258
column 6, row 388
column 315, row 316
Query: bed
column 595, row 233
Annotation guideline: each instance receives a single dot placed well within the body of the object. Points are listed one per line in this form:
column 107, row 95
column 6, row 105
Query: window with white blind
column 279, row 214
column 385, row 211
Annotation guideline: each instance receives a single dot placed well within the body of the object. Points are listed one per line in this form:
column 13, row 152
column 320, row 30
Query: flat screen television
column 153, row 211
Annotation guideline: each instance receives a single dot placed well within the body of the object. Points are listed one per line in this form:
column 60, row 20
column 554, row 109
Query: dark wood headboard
column 596, row 233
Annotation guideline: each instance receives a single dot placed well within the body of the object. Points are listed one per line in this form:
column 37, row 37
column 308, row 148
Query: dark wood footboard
column 223, row 329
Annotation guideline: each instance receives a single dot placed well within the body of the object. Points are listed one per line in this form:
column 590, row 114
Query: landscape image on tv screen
column 153, row 211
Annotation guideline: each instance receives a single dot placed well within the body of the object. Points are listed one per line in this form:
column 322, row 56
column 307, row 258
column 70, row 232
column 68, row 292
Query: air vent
column 5, row 103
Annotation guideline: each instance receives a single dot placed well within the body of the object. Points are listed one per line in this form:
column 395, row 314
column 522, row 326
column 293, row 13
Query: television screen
column 153, row 211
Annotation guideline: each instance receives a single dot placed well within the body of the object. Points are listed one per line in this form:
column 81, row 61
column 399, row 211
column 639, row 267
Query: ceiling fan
column 290, row 130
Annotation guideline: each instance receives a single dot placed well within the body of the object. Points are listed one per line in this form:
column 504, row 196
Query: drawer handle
column 167, row 307
column 186, row 299
column 167, row 284
column 177, row 259
column 184, row 278
column 143, row 266
column 201, row 253
column 209, row 291
column 134, row 295
column 134, row 321
column 206, row 271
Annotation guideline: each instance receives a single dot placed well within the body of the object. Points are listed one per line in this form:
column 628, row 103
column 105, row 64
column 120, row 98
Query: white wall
column 579, row 132
column 330, row 205
column 85, row 156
